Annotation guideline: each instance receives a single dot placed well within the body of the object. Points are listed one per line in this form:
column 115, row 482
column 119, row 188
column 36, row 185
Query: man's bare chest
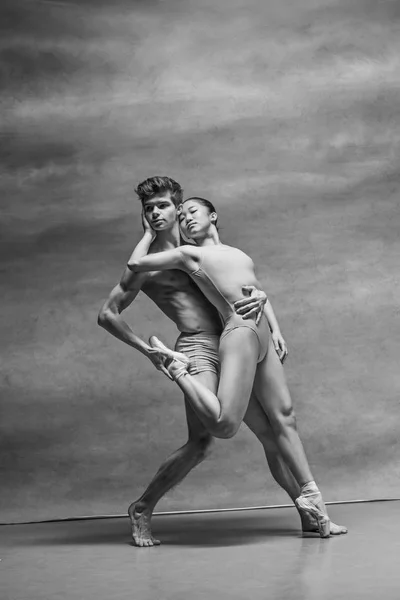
column 172, row 281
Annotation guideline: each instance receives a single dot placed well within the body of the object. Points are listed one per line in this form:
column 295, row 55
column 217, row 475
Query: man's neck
column 168, row 239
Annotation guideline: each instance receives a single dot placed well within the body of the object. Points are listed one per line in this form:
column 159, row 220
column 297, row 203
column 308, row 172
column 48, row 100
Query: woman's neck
column 211, row 239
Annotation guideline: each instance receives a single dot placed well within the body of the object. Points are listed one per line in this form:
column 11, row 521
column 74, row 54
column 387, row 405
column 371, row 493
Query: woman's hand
column 279, row 345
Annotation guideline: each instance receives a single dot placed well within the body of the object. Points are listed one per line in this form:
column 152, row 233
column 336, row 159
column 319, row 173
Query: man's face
column 160, row 212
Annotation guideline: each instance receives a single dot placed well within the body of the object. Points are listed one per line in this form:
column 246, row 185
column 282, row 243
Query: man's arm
column 111, row 320
column 255, row 305
column 252, row 305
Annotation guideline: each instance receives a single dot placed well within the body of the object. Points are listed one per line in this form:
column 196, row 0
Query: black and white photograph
column 200, row 306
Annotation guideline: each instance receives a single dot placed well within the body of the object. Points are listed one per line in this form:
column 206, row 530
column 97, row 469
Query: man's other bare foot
column 140, row 519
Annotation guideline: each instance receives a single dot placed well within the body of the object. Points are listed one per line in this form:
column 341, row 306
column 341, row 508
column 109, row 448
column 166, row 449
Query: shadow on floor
column 189, row 530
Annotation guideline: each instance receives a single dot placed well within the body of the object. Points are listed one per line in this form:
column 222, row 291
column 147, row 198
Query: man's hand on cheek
column 147, row 228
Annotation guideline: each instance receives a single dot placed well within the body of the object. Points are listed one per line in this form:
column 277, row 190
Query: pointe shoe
column 176, row 363
column 305, row 504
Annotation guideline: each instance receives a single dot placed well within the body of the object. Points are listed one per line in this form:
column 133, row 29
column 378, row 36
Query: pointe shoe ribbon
column 305, row 503
column 176, row 363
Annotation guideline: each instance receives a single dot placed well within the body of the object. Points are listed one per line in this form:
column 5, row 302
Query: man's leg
column 173, row 470
column 258, row 422
column 273, row 395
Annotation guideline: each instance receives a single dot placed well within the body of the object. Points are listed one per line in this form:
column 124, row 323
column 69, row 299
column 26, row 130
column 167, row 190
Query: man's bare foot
column 141, row 527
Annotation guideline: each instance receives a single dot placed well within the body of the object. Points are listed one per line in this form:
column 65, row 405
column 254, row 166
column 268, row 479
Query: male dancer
column 180, row 299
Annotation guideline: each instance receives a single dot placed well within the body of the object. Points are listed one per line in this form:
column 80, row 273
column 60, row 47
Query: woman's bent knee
column 226, row 429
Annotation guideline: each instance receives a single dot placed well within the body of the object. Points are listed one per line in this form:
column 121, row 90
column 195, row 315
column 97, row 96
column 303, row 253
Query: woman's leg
column 223, row 413
column 258, row 422
column 273, row 394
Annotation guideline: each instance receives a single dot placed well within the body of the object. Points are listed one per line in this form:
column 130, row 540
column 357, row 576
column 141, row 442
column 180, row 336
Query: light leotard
column 221, row 273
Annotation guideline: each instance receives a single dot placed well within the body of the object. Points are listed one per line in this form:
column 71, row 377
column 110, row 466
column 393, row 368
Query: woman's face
column 195, row 220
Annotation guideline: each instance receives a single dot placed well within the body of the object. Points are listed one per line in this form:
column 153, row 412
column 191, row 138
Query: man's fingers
column 164, row 370
column 161, row 367
column 243, row 302
column 251, row 313
column 248, row 288
column 159, row 354
column 259, row 317
column 254, row 304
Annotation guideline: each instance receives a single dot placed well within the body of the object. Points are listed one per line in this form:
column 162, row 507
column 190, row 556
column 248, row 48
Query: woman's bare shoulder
column 190, row 250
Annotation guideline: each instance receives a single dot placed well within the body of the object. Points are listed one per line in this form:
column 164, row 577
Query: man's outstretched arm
column 110, row 317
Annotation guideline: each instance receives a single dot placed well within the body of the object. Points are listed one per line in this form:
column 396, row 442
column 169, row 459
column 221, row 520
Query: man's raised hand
column 158, row 357
column 147, row 228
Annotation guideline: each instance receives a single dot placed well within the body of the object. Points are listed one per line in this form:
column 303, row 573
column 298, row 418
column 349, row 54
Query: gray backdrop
column 286, row 114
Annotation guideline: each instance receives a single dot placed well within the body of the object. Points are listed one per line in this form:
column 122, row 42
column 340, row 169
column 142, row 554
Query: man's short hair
column 158, row 186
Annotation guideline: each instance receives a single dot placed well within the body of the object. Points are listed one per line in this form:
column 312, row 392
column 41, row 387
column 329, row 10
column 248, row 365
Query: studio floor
column 258, row 554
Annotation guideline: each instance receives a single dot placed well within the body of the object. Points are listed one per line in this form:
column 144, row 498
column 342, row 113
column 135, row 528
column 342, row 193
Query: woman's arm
column 276, row 335
column 271, row 318
column 142, row 247
column 184, row 258
column 160, row 261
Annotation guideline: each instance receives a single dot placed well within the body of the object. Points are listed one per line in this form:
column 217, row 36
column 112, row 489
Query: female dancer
column 249, row 361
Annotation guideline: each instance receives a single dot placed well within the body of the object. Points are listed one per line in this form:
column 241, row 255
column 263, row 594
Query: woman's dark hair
column 204, row 202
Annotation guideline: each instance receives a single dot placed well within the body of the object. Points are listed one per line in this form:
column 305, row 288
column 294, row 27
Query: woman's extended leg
column 223, row 413
column 258, row 422
column 273, row 394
